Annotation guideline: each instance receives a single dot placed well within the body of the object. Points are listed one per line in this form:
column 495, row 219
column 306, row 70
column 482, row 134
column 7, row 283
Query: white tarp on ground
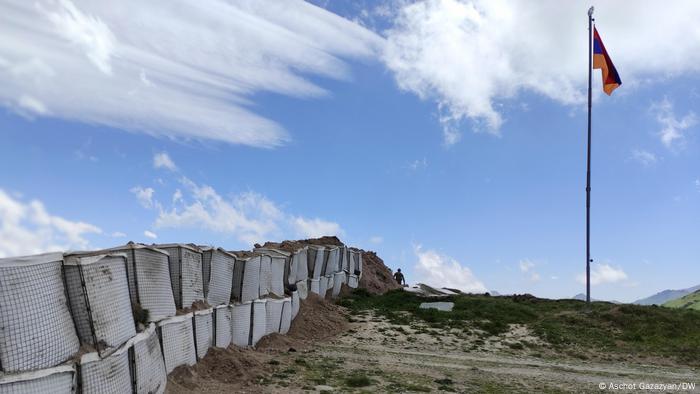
column 265, row 276
column 274, row 315
column 295, row 304
column 32, row 295
column 106, row 375
column 250, row 282
column 98, row 291
column 241, row 315
column 218, row 275
column 301, row 256
column 148, row 272
column 286, row 319
column 338, row 280
column 353, row 282
column 303, row 289
column 259, row 326
column 178, row 341
column 315, row 286
column 58, row 380
column 222, row 326
column 185, row 273
column 204, row 331
column 149, row 367
column 315, row 259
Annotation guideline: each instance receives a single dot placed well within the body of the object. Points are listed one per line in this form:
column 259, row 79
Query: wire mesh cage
column 265, row 276
column 246, row 278
column 303, row 289
column 286, row 316
column 222, row 326
column 258, row 328
column 218, row 275
column 302, row 266
column 98, row 292
column 59, row 380
column 149, row 371
column 338, row 281
column 177, row 341
column 315, row 286
column 185, row 273
column 110, row 374
column 37, row 329
column 274, row 315
column 296, row 302
column 315, row 260
column 241, row 315
column 279, row 269
column 203, row 331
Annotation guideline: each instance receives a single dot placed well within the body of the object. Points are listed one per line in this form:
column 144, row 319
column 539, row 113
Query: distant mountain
column 666, row 295
column 582, row 297
column 688, row 301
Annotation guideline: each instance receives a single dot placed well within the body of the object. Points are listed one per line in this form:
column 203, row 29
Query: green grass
column 358, row 381
column 688, row 301
column 564, row 324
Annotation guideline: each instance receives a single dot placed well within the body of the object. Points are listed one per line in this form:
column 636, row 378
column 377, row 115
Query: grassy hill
column 666, row 295
column 566, row 326
column 690, row 301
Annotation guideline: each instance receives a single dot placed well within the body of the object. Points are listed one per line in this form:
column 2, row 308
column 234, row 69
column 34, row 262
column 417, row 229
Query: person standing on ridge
column 398, row 276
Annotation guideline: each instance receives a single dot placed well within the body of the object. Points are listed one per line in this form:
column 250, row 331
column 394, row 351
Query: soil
column 293, row 246
column 376, row 277
column 244, row 254
column 200, row 305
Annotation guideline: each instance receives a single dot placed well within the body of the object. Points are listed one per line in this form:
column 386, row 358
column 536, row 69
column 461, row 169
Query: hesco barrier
column 274, row 315
column 218, row 275
column 303, row 289
column 241, row 321
column 148, row 271
column 322, row 286
column 185, row 273
column 315, row 259
column 110, row 374
column 279, row 269
column 58, row 380
column 295, row 304
column 203, row 331
column 331, row 263
column 265, row 276
column 98, row 292
column 149, row 367
column 338, row 280
column 353, row 282
column 315, row 286
column 258, row 326
column 248, row 281
column 37, row 328
column 222, row 326
column 356, row 265
column 177, row 341
column 286, row 316
column 301, row 257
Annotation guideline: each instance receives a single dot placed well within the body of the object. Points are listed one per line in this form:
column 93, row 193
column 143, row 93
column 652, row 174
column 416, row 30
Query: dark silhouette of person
column 398, row 276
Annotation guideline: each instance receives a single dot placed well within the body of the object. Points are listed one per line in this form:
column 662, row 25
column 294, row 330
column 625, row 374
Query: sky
column 447, row 135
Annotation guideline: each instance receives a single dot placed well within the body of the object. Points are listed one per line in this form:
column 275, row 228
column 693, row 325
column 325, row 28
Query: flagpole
column 588, row 163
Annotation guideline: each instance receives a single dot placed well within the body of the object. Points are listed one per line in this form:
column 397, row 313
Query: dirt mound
column 318, row 319
column 376, row 277
column 293, row 246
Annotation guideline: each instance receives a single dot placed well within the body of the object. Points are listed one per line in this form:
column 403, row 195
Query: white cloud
column 163, row 160
column 673, row 129
column 471, row 57
column 249, row 216
column 143, row 195
column 435, row 269
column 376, row 240
column 603, row 273
column 697, row 184
column 418, row 164
column 179, row 69
column 526, row 267
column 118, row 234
column 644, row 157
column 27, row 228
column 150, row 234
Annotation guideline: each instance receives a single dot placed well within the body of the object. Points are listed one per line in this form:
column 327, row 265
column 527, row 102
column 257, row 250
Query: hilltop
column 688, row 301
column 667, row 295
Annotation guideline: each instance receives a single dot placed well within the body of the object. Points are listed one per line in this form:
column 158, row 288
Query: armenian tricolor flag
column 601, row 60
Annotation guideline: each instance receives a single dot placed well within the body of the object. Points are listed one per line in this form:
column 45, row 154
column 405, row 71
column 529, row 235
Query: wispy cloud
column 150, row 234
column 418, row 164
column 527, row 267
column 163, row 160
column 118, row 234
column 603, row 273
column 179, row 69
column 440, row 270
column 28, row 228
column 144, row 195
column 376, row 240
column 645, row 158
column 673, row 127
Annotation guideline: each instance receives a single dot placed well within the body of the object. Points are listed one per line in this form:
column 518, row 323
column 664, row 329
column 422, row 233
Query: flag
column 601, row 60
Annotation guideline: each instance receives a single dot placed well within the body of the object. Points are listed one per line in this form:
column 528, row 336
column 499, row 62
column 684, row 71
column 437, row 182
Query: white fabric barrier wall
column 332, row 261
column 149, row 366
column 250, row 279
column 316, row 257
column 259, row 321
column 274, row 315
column 353, row 282
column 204, row 331
column 344, row 263
column 241, row 315
column 322, row 286
column 315, row 286
column 32, row 295
column 148, row 272
column 286, row 318
column 295, row 304
column 338, row 280
column 106, row 375
column 265, row 276
column 222, row 326
column 220, row 278
column 177, row 340
column 302, row 264
column 185, row 273
column 98, row 292
column 58, row 380
column 303, row 289
column 277, row 276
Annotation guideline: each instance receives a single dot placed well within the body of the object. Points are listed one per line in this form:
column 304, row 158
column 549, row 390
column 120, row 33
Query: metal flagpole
column 588, row 164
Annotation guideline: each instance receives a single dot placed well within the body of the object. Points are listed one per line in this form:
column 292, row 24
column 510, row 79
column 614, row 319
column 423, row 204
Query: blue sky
column 464, row 165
